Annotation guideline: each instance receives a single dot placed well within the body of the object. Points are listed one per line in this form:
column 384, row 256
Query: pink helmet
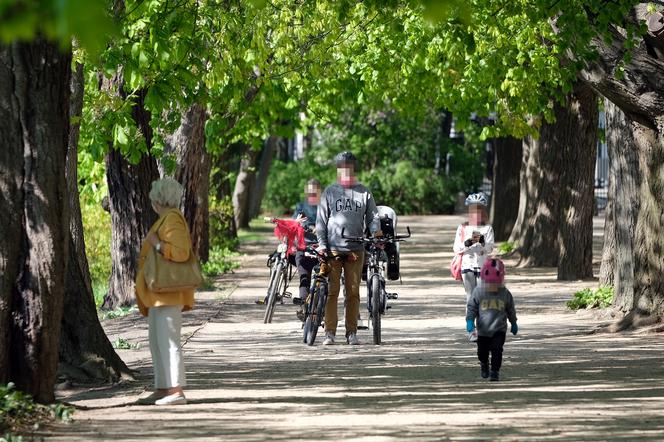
column 493, row 271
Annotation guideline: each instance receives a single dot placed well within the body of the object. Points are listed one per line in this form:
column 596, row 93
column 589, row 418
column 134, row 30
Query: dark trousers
column 305, row 265
column 494, row 345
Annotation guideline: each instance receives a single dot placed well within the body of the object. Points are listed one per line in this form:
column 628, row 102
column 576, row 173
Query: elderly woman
column 169, row 236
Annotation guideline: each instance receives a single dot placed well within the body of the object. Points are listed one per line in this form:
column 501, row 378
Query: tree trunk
column 243, row 188
column 258, row 191
column 34, row 123
column 85, row 350
column 577, row 201
column 536, row 228
column 131, row 211
column 193, row 172
column 508, row 153
column 648, row 242
column 638, row 92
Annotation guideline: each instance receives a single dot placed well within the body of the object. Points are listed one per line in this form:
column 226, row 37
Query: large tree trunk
column 34, row 125
column 258, row 191
column 508, row 153
column 577, row 202
column 193, row 172
column 243, row 188
column 131, row 211
column 639, row 93
column 85, row 350
column 622, row 208
column 536, row 228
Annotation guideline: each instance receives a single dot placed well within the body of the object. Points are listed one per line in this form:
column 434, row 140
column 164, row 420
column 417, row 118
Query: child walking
column 474, row 242
column 492, row 305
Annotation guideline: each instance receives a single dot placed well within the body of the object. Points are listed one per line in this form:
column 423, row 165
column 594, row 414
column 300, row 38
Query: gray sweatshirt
column 353, row 209
column 492, row 310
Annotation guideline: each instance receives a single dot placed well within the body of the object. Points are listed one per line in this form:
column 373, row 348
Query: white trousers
column 469, row 283
column 164, row 325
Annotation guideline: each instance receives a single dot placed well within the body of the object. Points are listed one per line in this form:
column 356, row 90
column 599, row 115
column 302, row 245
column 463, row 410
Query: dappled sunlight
column 248, row 380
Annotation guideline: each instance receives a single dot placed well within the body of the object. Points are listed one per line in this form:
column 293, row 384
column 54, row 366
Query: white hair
column 166, row 192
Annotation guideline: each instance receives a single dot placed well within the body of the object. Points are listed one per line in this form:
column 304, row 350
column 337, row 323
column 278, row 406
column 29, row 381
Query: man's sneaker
column 493, row 376
column 329, row 338
column 472, row 336
column 352, row 339
column 260, row 301
column 484, row 370
column 300, row 315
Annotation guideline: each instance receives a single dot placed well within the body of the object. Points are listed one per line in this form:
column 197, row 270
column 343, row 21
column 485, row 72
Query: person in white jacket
column 474, row 239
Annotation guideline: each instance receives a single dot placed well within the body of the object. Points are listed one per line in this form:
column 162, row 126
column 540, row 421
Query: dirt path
column 250, row 381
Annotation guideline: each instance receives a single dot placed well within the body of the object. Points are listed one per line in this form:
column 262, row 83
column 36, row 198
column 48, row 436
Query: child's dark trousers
column 493, row 345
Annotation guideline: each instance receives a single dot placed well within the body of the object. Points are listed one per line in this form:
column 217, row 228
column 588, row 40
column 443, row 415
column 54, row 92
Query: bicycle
column 314, row 306
column 281, row 271
column 377, row 296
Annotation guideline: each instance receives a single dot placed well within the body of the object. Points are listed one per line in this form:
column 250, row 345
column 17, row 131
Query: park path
column 250, row 381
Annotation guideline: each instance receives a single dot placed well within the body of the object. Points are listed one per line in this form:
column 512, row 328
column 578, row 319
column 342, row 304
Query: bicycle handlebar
column 373, row 240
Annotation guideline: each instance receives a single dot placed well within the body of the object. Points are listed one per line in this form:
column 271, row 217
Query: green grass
column 256, row 232
column 589, row 298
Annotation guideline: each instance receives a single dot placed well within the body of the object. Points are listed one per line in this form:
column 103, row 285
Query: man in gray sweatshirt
column 346, row 205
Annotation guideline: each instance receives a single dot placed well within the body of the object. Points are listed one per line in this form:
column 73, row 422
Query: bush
column 221, row 261
column 18, row 411
column 408, row 189
column 589, row 298
column 506, row 247
column 221, row 225
column 285, row 184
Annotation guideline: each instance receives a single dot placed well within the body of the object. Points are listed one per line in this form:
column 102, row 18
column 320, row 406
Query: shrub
column 18, row 411
column 221, row 225
column 220, row 261
column 506, row 247
column 285, row 184
column 589, row 298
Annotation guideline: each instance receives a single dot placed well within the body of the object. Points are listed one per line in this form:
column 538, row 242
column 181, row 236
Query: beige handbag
column 164, row 276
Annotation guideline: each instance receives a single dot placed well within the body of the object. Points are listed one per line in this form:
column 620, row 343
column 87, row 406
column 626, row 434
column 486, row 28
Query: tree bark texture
column 536, row 228
column 193, row 172
column 243, row 188
column 577, row 201
column 85, row 351
column 34, row 126
column 639, row 92
column 622, row 208
column 131, row 210
column 258, row 191
column 508, row 153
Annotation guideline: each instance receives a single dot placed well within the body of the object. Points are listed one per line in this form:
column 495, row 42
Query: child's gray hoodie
column 351, row 208
column 492, row 309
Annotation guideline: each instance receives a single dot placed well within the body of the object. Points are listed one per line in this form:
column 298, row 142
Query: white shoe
column 149, row 400
column 472, row 336
column 352, row 339
column 172, row 399
column 329, row 339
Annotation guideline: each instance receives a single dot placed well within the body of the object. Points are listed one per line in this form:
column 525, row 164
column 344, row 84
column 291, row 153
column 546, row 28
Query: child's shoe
column 484, row 370
column 493, row 376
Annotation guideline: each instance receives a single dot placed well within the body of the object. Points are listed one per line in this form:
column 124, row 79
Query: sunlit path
column 251, row 381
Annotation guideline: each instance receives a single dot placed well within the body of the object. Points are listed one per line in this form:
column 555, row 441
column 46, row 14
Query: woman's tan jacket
column 171, row 228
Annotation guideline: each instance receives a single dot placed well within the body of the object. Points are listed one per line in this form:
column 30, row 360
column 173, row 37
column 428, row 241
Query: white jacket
column 475, row 255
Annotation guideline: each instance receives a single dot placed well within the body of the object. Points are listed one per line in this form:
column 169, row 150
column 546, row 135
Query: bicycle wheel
column 375, row 309
column 318, row 311
column 272, row 293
